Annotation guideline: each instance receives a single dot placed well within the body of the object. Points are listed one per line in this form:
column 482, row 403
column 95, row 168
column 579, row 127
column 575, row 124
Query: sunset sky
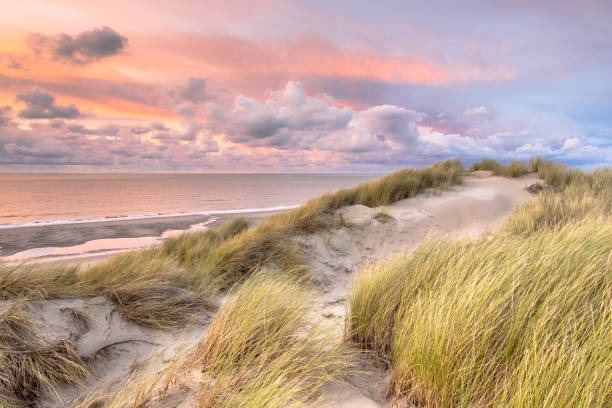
column 311, row 86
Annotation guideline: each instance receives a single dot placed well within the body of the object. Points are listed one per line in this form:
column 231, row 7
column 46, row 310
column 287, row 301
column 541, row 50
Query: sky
column 301, row 86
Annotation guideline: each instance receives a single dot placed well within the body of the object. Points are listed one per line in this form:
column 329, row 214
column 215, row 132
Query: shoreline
column 16, row 240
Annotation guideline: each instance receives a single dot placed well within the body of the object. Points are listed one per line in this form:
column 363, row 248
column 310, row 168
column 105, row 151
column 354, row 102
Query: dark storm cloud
column 84, row 48
column 41, row 105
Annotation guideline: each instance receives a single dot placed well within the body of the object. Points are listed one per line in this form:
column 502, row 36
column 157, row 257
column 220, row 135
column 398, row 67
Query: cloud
column 5, row 115
column 41, row 105
column 140, row 130
column 571, row 143
column 193, row 91
column 39, row 148
column 479, row 111
column 56, row 143
column 158, row 126
column 14, row 64
column 185, row 111
column 190, row 130
column 106, row 130
column 292, row 120
column 289, row 119
column 84, row 48
column 291, row 130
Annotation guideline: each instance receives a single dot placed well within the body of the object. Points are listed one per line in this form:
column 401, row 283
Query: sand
column 479, row 206
column 335, row 256
column 96, row 239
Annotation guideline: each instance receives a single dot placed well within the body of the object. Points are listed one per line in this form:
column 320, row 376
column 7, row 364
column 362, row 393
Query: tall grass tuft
column 503, row 322
column 399, row 185
column 262, row 351
column 513, row 169
column 147, row 289
column 29, row 364
column 577, row 196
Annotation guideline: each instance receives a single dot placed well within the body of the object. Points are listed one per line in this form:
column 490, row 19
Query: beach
column 76, row 215
column 154, row 319
column 34, row 241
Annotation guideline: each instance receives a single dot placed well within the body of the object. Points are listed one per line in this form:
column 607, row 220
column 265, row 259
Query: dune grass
column 146, row 288
column 577, row 196
column 509, row 321
column 522, row 318
column 160, row 287
column 261, row 349
column 513, row 169
column 29, row 364
column 169, row 285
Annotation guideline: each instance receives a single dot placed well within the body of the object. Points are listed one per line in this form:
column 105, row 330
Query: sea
column 39, row 199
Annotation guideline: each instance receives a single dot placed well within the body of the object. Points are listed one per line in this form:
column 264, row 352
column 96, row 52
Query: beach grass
column 509, row 321
column 160, row 287
column 576, row 196
column 262, row 350
column 513, row 169
column 29, row 364
column 522, row 318
column 146, row 288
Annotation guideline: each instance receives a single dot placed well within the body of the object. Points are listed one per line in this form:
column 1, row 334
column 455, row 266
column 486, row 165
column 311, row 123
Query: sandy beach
column 40, row 241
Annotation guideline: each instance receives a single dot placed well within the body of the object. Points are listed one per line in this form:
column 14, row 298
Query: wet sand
column 18, row 239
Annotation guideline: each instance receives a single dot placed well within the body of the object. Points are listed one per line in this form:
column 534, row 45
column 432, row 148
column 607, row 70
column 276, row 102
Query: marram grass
column 165, row 286
column 30, row 365
column 577, row 196
column 513, row 169
column 261, row 350
column 502, row 322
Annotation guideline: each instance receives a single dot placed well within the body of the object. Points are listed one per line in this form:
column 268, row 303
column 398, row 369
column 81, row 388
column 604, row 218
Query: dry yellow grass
column 262, row 350
column 519, row 319
column 30, row 365
column 513, row 169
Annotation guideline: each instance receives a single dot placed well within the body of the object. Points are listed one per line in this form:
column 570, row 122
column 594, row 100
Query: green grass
column 262, row 351
column 522, row 318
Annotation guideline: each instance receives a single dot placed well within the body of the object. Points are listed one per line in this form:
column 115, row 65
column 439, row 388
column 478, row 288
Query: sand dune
column 480, row 205
column 119, row 348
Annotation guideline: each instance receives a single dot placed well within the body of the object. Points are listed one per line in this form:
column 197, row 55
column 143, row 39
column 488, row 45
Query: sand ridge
column 480, row 205
column 118, row 348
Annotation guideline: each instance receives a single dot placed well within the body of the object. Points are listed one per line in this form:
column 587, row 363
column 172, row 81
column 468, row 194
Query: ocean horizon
column 49, row 199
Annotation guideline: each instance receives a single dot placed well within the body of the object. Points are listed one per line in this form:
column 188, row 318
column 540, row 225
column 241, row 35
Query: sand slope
column 118, row 348
column 480, row 205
